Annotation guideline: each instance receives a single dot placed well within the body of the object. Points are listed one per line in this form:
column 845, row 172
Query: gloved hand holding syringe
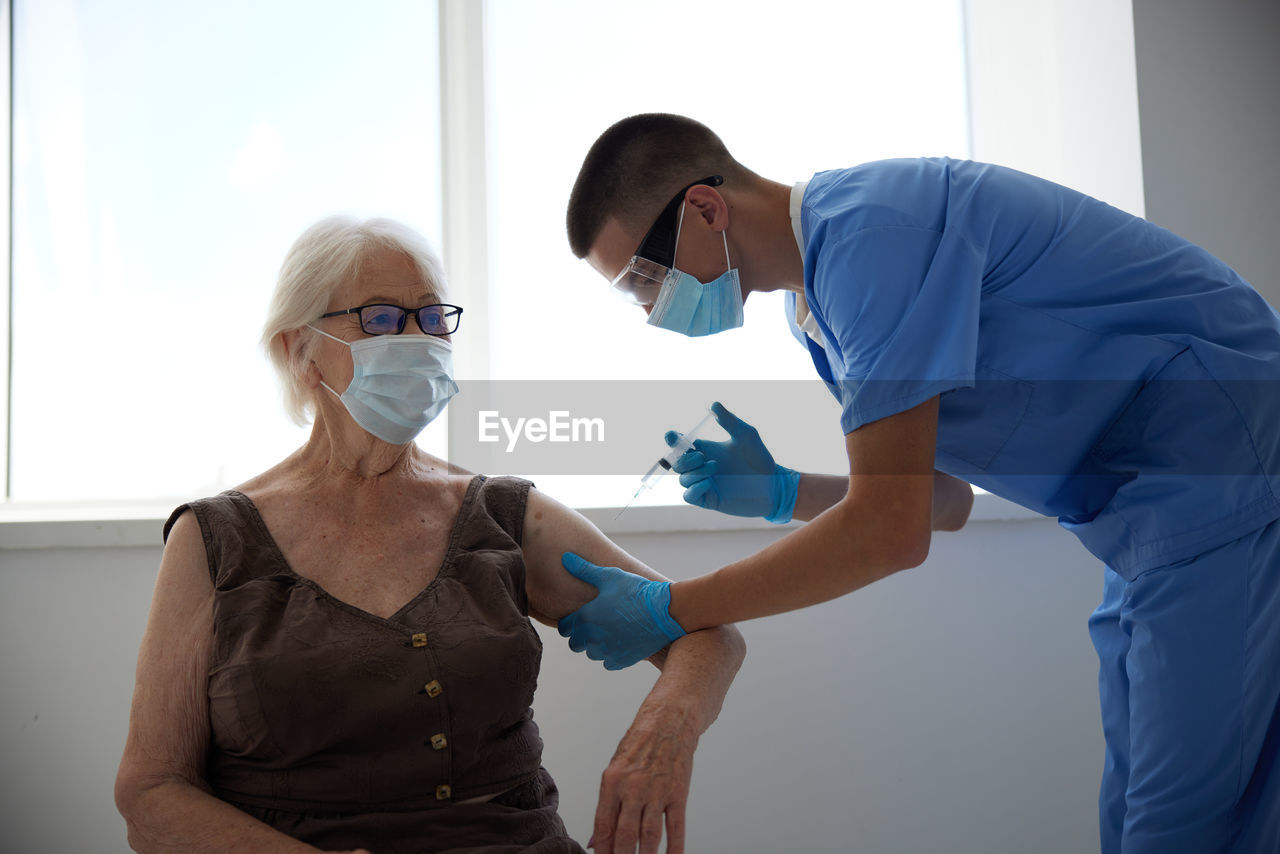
column 738, row 476
column 665, row 462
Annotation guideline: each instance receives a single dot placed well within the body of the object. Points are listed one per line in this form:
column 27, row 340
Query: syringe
column 667, row 460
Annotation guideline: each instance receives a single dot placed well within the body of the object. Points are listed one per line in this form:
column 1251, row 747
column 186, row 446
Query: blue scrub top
column 1091, row 366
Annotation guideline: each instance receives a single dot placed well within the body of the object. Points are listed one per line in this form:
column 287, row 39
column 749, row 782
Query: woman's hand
column 646, row 786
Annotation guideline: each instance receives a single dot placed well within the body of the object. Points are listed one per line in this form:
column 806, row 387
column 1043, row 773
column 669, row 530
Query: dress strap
column 236, row 541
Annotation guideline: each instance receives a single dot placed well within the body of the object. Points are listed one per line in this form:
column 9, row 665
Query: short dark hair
column 634, row 169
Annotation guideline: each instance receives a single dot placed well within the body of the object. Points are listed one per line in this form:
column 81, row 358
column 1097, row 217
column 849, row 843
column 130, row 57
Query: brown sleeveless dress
column 344, row 729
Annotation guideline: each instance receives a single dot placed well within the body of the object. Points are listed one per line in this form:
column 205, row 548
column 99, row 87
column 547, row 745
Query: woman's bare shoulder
column 283, row 479
column 433, row 473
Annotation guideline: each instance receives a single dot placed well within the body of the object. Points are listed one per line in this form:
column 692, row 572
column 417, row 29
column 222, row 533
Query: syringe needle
column 628, row 504
column 666, row 462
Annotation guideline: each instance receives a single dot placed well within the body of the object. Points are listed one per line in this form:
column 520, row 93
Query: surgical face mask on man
column 695, row 308
column 399, row 383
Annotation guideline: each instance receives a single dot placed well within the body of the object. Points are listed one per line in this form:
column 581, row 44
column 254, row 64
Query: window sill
column 63, row 526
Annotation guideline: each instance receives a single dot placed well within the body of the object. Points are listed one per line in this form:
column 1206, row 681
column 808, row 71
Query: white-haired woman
column 339, row 655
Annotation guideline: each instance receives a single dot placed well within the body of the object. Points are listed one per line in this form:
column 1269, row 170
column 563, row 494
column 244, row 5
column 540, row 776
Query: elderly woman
column 339, row 654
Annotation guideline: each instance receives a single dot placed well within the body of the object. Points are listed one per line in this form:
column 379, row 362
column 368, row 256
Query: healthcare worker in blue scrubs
column 982, row 326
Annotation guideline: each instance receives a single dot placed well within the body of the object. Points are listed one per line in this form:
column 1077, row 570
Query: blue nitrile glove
column 738, row 477
column 628, row 620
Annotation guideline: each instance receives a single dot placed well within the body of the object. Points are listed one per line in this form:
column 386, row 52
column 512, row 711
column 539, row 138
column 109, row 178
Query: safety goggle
column 383, row 319
column 642, row 277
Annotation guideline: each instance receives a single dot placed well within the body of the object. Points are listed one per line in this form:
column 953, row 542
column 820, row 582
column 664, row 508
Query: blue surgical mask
column 398, row 385
column 695, row 308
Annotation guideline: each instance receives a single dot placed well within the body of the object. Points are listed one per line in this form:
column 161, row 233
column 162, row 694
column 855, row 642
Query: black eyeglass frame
column 455, row 313
column 659, row 244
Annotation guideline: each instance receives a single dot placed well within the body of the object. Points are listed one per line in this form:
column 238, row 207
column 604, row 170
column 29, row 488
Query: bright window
column 165, row 157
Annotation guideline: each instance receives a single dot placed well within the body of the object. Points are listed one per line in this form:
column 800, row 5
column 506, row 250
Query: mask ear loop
column 728, row 265
column 679, row 225
column 340, row 341
column 327, row 335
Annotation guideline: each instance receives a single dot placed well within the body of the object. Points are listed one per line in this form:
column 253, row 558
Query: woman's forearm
column 697, row 671
column 176, row 816
column 650, row 773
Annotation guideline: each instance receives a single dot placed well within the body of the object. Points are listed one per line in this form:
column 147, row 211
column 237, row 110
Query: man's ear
column 708, row 204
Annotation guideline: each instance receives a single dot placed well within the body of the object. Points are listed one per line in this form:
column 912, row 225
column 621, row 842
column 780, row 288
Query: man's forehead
column 613, row 248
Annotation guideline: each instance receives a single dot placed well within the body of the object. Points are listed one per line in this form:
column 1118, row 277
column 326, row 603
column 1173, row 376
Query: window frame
column 6, row 246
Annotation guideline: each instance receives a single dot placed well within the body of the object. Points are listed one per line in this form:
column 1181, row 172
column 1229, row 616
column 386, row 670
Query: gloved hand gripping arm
column 629, row 619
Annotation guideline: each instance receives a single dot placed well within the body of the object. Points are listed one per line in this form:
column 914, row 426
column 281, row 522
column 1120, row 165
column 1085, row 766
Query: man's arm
column 952, row 498
column 879, row 526
column 740, row 477
column 648, row 778
column 952, row 502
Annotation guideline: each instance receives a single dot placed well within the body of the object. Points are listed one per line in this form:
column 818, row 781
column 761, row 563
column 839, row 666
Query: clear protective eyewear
column 642, row 277
column 384, row 319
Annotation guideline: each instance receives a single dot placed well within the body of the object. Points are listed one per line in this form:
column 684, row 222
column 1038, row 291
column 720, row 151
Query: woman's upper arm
column 550, row 530
column 169, row 720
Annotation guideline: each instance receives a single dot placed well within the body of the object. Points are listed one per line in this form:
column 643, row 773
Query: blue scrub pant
column 1190, row 690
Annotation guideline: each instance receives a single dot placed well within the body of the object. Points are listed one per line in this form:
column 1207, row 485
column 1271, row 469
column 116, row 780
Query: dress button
column 433, row 688
column 419, row 640
column 439, row 742
column 443, row 793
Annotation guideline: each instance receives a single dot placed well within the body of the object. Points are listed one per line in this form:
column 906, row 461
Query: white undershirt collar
column 804, row 318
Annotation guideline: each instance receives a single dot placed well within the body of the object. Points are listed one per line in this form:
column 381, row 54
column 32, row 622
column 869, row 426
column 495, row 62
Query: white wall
column 70, row 624
column 949, row 708
column 1164, row 108
column 1052, row 91
column 1209, row 74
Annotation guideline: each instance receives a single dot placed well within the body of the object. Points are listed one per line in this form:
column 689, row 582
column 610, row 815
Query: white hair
column 327, row 255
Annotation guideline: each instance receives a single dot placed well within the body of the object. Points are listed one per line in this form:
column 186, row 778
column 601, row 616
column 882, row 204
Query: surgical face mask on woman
column 695, row 308
column 399, row 383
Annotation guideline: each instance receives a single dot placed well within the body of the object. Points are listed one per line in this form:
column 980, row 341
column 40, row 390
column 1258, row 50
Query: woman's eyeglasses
column 381, row 319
